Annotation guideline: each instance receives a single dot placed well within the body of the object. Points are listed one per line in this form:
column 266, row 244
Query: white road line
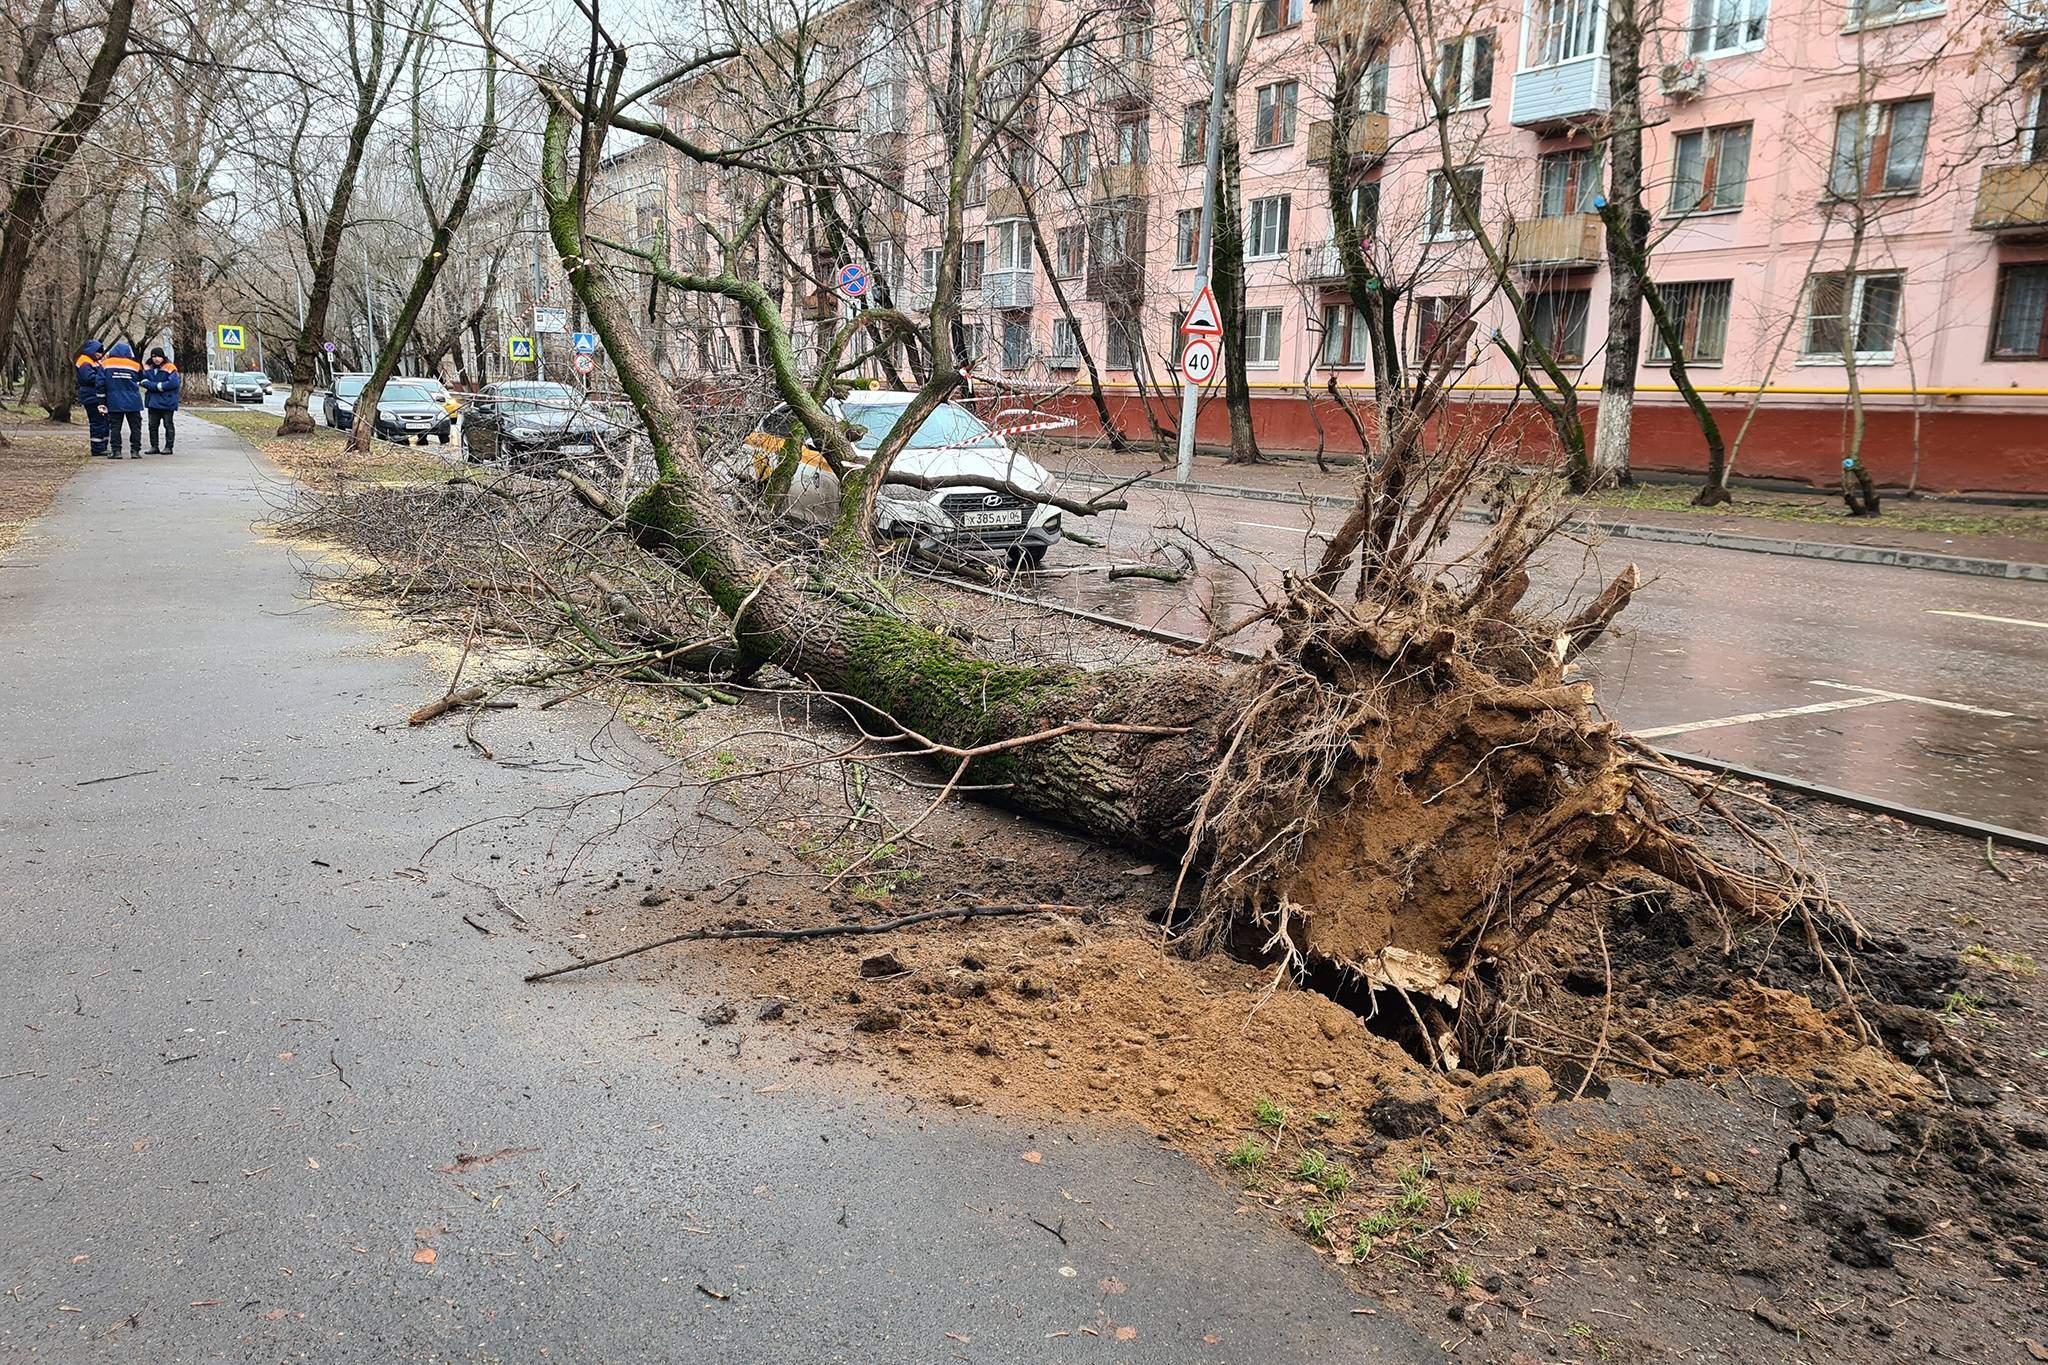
column 1813, row 708
column 1908, row 696
column 1978, row 616
column 1269, row 526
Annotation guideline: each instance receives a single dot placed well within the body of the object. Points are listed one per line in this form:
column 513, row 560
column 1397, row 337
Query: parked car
column 529, row 421
column 339, row 401
column 408, row 411
column 952, row 443
column 241, row 386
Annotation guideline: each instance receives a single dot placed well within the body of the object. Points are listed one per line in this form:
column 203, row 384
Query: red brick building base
column 1964, row 445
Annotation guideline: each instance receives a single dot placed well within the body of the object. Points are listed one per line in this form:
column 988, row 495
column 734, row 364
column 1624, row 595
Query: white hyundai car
column 999, row 517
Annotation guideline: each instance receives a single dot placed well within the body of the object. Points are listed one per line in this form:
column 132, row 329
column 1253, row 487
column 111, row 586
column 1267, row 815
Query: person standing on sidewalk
column 123, row 388
column 92, row 394
column 161, row 384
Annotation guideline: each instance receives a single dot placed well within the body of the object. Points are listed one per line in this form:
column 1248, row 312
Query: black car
column 528, row 421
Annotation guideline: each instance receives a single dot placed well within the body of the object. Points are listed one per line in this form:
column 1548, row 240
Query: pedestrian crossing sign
column 229, row 336
column 519, row 348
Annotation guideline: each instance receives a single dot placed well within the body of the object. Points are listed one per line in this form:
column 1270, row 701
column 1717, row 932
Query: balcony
column 1127, row 86
column 1349, row 24
column 1119, row 282
column 1006, row 288
column 2012, row 199
column 2025, row 22
column 1366, row 139
column 1322, row 263
column 1568, row 241
column 1118, row 182
column 886, row 155
column 1551, row 97
column 1006, row 202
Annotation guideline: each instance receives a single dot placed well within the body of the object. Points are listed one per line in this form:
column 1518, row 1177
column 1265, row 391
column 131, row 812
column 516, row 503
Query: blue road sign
column 586, row 343
column 853, row 280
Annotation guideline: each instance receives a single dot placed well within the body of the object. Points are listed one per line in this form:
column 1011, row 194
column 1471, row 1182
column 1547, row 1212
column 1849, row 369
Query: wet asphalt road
column 249, row 1036
column 1713, row 636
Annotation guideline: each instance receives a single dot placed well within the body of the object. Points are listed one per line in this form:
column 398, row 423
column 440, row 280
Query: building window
column 1563, row 31
column 1346, row 340
column 1077, row 69
column 1023, row 163
column 1123, row 342
column 1133, row 141
column 1445, row 221
column 1016, row 343
column 973, row 255
column 977, row 183
column 1372, row 88
column 1187, row 234
column 1441, row 334
column 1710, row 170
column 1265, row 232
column 2034, row 132
column 1113, row 244
column 1134, row 41
column 1464, row 71
column 1262, row 336
column 1860, row 310
column 2020, row 331
column 1365, row 211
column 1868, row 13
column 1720, row 26
column 1566, row 182
column 885, row 266
column 1070, row 251
column 1879, row 148
column 928, row 270
column 1557, row 319
column 1275, row 126
column 1009, row 245
column 1066, row 344
column 1194, row 133
column 1699, row 310
column 1074, row 160
column 1275, row 15
column 971, row 343
column 934, row 189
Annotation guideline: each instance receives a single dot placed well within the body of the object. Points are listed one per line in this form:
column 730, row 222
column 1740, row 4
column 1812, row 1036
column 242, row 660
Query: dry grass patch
column 33, row 466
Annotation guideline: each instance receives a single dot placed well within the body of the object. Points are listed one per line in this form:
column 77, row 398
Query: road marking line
column 1978, row 616
column 1292, row 530
column 1812, row 708
column 1908, row 696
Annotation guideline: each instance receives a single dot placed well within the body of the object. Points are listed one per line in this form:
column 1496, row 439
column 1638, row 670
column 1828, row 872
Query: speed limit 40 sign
column 1199, row 360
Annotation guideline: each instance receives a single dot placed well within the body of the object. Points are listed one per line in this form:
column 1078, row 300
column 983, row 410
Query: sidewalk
column 1989, row 542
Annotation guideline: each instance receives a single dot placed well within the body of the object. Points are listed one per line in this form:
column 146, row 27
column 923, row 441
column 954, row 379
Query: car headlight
column 523, row 433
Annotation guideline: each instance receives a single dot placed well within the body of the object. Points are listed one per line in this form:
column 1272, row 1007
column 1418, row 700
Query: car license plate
column 575, row 450
column 989, row 520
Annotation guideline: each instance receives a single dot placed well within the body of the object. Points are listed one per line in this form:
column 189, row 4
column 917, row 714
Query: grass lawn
column 33, row 466
column 1931, row 515
column 323, row 453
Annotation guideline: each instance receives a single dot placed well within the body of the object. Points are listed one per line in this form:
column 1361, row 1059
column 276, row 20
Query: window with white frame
column 1275, row 122
column 1464, row 70
column 1194, row 133
column 1275, row 15
column 1567, row 182
column 1880, row 148
column 973, row 255
column 977, row 183
column 1134, row 40
column 1262, row 336
column 1022, row 161
column 2034, row 132
column 1710, row 169
column 1265, row 233
column 1187, row 234
column 2020, row 328
column 1077, row 68
column 1133, row 141
column 1859, row 312
column 1720, row 26
column 1364, row 201
column 1442, row 334
column 1699, row 313
column 886, row 266
column 928, row 271
column 1070, row 251
column 1557, row 320
column 1563, row 31
column 1074, row 160
column 1372, row 88
column 1066, row 344
column 1016, row 343
column 1009, row 245
column 972, row 342
column 1445, row 220
column 1113, row 244
column 1869, row 13
column 1346, row 339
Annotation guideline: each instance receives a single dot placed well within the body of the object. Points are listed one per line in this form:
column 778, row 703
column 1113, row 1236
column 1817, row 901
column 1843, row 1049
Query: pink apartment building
column 1774, row 126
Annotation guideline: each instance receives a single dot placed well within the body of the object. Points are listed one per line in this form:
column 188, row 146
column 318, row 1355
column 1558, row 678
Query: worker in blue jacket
column 161, row 384
column 92, row 394
column 124, row 398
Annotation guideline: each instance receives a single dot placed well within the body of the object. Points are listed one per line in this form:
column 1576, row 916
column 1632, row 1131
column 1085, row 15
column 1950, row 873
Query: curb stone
column 1886, row 555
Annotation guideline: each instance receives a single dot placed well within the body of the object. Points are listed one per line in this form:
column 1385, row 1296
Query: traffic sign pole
column 1190, row 394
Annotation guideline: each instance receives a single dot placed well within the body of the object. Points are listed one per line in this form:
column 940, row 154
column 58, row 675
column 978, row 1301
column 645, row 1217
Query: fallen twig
column 441, row 706
column 963, row 912
column 1990, row 858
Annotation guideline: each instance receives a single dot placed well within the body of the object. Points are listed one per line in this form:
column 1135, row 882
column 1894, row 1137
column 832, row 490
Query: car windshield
column 408, row 393
column 949, row 425
column 349, row 385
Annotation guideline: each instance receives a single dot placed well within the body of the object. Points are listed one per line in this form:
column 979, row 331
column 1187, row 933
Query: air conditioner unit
column 1684, row 80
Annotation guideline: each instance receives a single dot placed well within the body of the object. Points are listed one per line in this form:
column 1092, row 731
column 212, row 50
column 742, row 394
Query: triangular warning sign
column 1202, row 319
